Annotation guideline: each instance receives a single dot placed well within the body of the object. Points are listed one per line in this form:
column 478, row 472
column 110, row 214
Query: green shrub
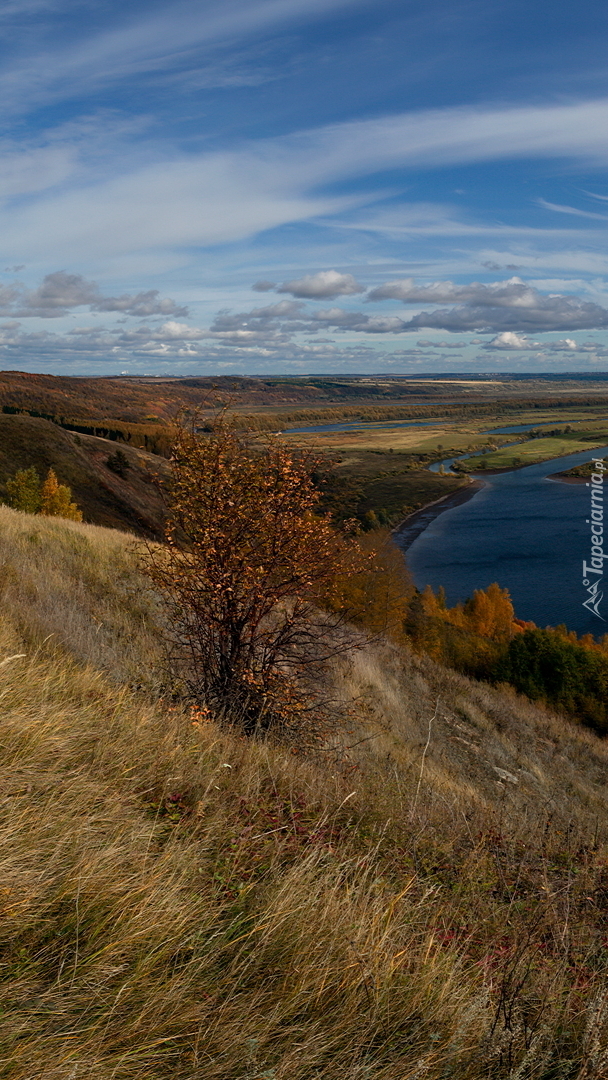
column 23, row 491
column 544, row 665
column 118, row 463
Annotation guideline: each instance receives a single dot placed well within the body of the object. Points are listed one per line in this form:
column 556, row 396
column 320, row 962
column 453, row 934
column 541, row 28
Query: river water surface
column 525, row 531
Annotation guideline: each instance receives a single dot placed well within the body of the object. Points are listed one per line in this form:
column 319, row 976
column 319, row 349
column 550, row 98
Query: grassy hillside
column 180, row 903
column 129, row 502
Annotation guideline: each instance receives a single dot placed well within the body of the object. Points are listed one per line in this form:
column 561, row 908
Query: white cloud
column 177, row 347
column 520, row 343
column 509, row 340
column 142, row 304
column 174, row 331
column 284, row 309
column 442, row 344
column 264, row 318
column 511, row 293
column 552, row 313
column 322, row 286
column 510, row 309
column 566, row 345
column 355, row 320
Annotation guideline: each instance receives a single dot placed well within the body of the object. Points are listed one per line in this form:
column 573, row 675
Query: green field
column 531, row 452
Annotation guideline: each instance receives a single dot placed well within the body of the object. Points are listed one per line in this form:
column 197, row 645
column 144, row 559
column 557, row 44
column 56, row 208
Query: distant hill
column 131, row 502
column 148, row 400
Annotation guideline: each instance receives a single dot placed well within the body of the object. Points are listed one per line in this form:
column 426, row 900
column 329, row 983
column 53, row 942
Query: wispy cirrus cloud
column 572, row 210
column 146, row 43
column 209, row 198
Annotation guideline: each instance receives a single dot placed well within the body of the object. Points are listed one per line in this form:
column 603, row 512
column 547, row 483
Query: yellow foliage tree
column 56, row 499
column 489, row 613
column 467, row 636
column 377, row 598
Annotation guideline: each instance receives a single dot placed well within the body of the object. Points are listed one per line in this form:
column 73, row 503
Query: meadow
column 532, row 452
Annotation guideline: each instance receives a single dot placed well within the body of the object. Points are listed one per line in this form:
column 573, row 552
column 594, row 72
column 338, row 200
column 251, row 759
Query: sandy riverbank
column 563, row 478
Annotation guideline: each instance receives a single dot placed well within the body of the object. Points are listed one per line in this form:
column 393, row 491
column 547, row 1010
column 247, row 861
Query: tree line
column 155, row 438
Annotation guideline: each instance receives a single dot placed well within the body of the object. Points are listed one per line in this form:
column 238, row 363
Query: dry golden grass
column 178, row 903
column 78, row 583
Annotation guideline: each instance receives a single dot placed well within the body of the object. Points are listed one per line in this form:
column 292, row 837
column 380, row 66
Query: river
column 523, row 530
column 519, row 528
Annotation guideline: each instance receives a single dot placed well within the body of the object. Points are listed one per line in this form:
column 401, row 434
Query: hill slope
column 180, row 903
column 131, row 502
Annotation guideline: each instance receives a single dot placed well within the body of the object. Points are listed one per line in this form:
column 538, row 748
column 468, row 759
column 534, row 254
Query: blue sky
column 293, row 186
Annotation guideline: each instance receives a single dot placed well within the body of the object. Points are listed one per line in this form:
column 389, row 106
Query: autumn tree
column 424, row 622
column 469, row 637
column 378, row 597
column 56, row 499
column 489, row 612
column 245, row 563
